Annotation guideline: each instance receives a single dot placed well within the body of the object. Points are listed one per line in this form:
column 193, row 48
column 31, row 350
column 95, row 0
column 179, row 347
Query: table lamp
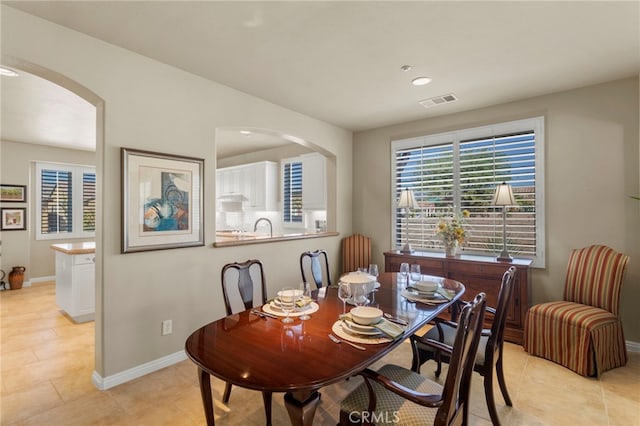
column 407, row 201
column 504, row 197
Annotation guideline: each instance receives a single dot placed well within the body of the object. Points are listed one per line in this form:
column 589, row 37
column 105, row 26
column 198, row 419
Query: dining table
column 262, row 353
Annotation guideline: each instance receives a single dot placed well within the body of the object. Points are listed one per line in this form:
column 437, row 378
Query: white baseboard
column 42, row 279
column 104, row 383
column 633, row 346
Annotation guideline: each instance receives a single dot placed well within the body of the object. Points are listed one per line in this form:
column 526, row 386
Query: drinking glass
column 287, row 297
column 360, row 292
column 404, row 272
column 415, row 273
column 305, row 288
column 344, row 294
column 373, row 270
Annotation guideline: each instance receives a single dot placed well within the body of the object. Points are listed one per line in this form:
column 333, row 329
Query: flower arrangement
column 451, row 229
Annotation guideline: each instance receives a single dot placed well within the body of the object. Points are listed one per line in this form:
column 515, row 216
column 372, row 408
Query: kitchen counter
column 228, row 239
column 75, row 248
column 75, row 279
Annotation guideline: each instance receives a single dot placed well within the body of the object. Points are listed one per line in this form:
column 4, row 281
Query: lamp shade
column 503, row 196
column 407, row 200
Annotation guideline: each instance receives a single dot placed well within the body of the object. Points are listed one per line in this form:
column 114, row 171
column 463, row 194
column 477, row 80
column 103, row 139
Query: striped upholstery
column 584, row 332
column 356, row 252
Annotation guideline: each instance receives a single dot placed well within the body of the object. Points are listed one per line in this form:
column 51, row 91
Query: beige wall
column 591, row 167
column 21, row 247
column 151, row 106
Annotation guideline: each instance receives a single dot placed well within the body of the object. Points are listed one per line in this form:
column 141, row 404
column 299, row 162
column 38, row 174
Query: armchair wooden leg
column 227, row 393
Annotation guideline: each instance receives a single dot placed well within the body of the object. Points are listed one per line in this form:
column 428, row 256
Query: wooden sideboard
column 477, row 273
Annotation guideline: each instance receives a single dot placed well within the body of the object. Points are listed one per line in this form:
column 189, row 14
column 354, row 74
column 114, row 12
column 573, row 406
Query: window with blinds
column 459, row 171
column 292, row 192
column 66, row 201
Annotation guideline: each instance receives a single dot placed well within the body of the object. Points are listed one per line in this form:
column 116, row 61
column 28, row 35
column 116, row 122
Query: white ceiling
column 340, row 61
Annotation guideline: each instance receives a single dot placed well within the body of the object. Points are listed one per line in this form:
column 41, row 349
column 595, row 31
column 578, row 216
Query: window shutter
column 88, row 201
column 56, row 202
column 292, row 192
column 456, row 171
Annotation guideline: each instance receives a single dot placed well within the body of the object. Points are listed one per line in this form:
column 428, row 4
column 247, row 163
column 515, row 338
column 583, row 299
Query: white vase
column 451, row 249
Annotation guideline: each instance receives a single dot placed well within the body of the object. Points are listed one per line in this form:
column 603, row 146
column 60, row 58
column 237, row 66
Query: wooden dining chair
column 584, row 331
column 244, row 287
column 314, row 267
column 489, row 357
column 396, row 395
column 356, row 252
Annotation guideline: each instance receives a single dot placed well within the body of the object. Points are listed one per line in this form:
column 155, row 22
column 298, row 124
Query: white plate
column 360, row 328
column 436, row 299
column 349, row 328
column 272, row 309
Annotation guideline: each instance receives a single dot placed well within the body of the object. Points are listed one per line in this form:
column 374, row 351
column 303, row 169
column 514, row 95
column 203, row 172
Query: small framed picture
column 14, row 219
column 162, row 201
column 13, row 193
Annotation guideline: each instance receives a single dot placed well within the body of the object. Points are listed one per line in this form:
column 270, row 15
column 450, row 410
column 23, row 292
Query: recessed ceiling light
column 8, row 72
column 420, row 81
column 245, row 132
column 405, row 67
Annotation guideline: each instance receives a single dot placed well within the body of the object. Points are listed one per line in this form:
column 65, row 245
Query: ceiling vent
column 438, row 100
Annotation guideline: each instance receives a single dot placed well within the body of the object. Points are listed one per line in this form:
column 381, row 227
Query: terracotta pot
column 16, row 277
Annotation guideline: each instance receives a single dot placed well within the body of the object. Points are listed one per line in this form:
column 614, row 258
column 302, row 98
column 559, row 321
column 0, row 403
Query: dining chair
column 244, row 287
column 314, row 267
column 356, row 252
column 583, row 332
column 396, row 395
column 489, row 357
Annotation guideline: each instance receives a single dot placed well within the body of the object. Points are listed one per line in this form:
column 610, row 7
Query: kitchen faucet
column 255, row 225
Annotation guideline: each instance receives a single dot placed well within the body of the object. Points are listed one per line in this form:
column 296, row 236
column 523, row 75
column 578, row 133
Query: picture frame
column 13, row 193
column 162, row 201
column 13, row 219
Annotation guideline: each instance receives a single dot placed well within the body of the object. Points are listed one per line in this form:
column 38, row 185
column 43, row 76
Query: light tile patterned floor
column 47, row 362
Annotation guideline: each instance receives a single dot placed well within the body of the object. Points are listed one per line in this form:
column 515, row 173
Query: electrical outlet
column 167, row 327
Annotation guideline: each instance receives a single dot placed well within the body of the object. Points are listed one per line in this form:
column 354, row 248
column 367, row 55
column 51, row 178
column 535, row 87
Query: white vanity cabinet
column 75, row 279
column 314, row 181
column 257, row 182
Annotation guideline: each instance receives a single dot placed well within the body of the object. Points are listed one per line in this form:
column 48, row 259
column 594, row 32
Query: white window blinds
column 459, row 171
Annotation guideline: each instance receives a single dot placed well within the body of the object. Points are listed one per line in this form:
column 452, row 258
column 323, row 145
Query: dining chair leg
column 227, row 393
column 491, row 403
column 503, row 383
column 415, row 359
column 266, row 398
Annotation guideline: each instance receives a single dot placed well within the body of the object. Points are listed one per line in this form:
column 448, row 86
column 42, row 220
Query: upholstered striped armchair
column 584, row 331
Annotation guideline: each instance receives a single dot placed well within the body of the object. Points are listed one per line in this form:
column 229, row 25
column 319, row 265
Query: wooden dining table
column 299, row 358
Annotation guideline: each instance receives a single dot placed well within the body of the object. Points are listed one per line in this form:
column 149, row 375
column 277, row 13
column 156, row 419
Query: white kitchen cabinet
column 75, row 280
column 257, row 182
column 314, row 181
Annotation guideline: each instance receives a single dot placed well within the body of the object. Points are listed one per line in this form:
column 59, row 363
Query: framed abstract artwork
column 13, row 193
column 14, row 219
column 162, row 201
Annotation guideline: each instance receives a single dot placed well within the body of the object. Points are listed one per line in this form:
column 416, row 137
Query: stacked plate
column 353, row 328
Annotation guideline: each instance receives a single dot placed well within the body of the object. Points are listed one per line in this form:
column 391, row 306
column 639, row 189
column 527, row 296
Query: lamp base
column 406, row 249
column 504, row 257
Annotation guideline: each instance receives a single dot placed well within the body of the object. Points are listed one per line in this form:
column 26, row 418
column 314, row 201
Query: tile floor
column 47, row 362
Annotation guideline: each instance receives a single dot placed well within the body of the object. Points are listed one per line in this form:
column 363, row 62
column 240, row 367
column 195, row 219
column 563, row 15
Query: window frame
column 77, row 197
column 535, row 124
